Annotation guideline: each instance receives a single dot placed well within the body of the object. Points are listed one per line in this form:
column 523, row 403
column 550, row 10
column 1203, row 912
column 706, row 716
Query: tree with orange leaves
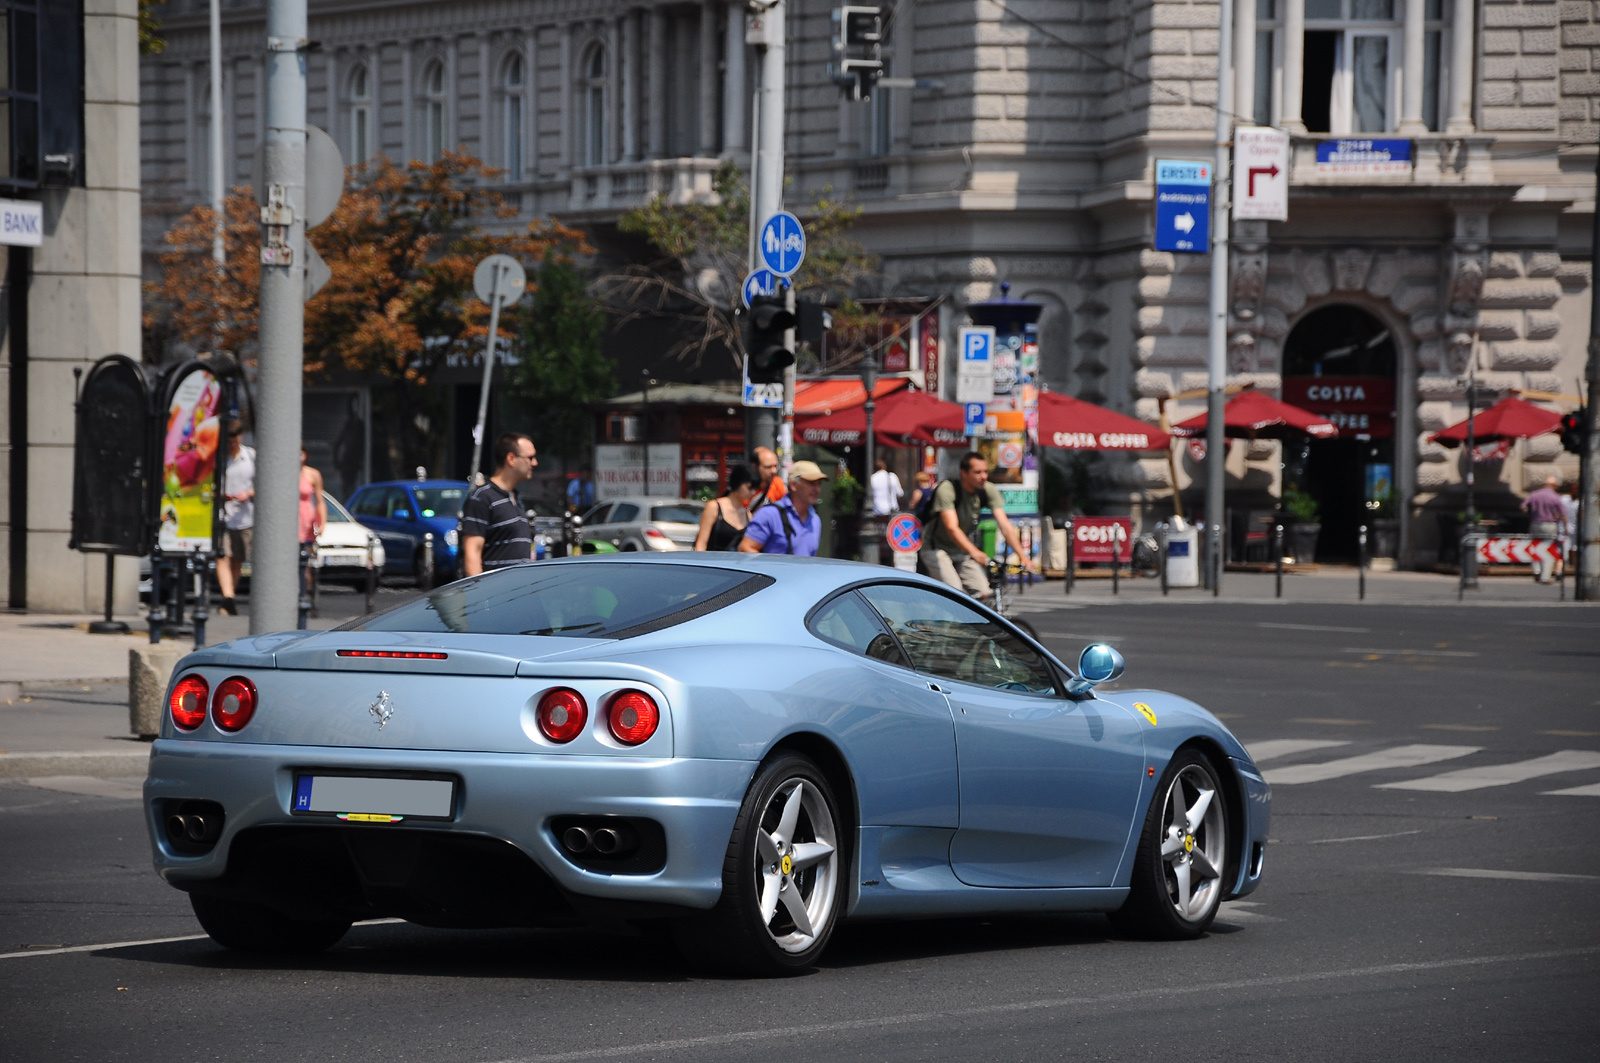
column 401, row 246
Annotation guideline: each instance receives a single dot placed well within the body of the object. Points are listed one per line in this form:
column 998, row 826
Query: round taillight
column 634, row 717
column 234, row 703
column 188, row 702
column 562, row 713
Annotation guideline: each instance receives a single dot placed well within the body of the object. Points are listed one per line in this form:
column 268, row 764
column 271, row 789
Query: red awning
column 1253, row 414
column 904, row 418
column 831, row 396
column 1510, row 418
column 1073, row 424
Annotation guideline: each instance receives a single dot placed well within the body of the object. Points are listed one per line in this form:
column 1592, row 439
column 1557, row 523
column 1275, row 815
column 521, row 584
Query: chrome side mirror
column 1097, row 664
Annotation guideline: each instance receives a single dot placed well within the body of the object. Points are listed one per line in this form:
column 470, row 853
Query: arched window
column 593, row 94
column 513, row 84
column 360, row 124
column 433, row 111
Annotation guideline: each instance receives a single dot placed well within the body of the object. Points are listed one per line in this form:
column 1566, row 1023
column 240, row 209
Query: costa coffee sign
column 1099, row 539
column 1358, row 405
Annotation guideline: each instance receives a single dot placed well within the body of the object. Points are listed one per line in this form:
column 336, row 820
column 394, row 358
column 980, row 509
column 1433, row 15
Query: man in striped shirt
column 494, row 527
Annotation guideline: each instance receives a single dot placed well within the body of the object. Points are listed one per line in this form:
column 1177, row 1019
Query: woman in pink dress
column 313, row 507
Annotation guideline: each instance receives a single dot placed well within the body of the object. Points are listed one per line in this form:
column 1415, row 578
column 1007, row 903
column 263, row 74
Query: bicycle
column 1000, row 573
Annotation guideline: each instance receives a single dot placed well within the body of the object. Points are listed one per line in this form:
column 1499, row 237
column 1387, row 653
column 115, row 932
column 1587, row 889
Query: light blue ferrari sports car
column 746, row 749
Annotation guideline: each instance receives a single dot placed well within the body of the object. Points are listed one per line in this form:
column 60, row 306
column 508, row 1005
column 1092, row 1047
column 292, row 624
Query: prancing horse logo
column 383, row 708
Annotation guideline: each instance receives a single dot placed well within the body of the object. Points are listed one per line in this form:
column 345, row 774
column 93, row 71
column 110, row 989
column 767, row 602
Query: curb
column 95, row 764
column 10, row 690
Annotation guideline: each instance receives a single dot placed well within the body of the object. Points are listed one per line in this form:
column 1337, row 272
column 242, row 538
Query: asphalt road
column 1453, row 919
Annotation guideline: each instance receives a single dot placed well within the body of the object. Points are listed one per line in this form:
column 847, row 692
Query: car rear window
column 595, row 599
column 675, row 514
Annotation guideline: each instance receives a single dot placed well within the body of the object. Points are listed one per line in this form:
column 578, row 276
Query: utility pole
column 1217, row 356
column 765, row 30
column 218, row 255
column 275, row 593
column 1589, row 461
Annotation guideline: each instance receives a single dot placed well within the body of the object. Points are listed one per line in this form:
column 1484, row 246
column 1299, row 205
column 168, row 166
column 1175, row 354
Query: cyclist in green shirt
column 950, row 553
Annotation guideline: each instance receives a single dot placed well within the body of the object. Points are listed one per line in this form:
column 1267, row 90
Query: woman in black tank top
column 717, row 531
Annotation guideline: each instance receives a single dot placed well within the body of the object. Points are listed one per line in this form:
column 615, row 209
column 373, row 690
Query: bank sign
column 1183, row 206
column 21, row 223
column 1361, row 406
column 1364, row 158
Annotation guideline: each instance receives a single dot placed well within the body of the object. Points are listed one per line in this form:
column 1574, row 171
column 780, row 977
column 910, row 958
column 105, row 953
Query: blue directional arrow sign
column 1183, row 206
column 760, row 282
column 782, row 243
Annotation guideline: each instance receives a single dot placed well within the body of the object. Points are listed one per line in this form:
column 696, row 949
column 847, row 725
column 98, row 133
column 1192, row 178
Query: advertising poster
column 189, row 463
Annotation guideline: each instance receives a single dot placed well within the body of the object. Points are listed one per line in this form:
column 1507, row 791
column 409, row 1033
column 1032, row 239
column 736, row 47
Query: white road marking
column 1282, row 747
column 794, row 1034
column 1454, row 782
column 1410, row 653
column 131, row 944
column 1513, row 876
column 1383, row 760
column 1363, row 837
column 1592, row 790
column 1313, row 627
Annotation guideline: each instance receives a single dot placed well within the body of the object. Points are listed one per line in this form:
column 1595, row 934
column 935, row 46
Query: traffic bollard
column 157, row 615
column 202, row 565
column 1116, row 559
column 427, row 561
column 372, row 574
column 1166, row 551
column 1277, row 550
column 305, row 600
column 1361, row 564
column 1070, row 561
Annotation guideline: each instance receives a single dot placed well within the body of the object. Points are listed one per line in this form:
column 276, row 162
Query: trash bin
column 1183, row 555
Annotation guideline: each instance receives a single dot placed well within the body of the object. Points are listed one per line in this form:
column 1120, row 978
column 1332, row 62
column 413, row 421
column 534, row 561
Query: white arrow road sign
column 1184, row 222
column 1518, row 550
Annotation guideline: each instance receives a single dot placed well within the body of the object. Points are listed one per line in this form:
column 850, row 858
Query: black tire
column 734, row 938
column 1152, row 909
column 248, row 927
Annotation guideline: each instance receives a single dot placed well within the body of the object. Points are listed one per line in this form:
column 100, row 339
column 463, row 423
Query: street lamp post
column 644, row 428
column 868, row 540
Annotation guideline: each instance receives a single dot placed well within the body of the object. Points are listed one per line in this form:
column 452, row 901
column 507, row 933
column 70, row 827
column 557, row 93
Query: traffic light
column 1572, row 431
column 858, row 50
column 767, row 356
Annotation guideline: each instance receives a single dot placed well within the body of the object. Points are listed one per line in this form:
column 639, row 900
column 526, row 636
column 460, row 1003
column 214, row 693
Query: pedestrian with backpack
column 792, row 525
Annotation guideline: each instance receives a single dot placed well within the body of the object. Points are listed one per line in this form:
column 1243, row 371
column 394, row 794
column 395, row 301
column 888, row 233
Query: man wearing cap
column 790, row 526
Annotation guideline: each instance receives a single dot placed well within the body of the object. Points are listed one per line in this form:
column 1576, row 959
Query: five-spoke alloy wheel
column 782, row 879
column 1178, row 870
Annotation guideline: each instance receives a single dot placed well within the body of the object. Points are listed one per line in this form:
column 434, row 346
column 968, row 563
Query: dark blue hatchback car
column 400, row 512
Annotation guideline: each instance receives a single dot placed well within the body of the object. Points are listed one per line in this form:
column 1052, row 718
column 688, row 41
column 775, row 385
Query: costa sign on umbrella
column 1072, row 424
column 1510, row 418
column 903, row 419
column 1253, row 414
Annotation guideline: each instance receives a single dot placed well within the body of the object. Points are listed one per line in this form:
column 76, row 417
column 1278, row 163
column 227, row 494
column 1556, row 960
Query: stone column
column 685, row 117
column 1244, row 59
column 735, row 135
column 709, row 126
column 658, row 83
column 569, row 120
column 1294, row 65
column 1411, row 70
column 1463, row 23
column 629, row 61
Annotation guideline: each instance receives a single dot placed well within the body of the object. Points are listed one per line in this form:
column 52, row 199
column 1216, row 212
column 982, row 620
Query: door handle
column 936, row 688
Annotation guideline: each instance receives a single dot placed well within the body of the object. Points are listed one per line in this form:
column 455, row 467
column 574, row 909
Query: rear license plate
column 371, row 799
column 343, row 559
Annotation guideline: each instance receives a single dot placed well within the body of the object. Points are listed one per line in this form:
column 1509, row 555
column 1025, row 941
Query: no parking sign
column 904, row 534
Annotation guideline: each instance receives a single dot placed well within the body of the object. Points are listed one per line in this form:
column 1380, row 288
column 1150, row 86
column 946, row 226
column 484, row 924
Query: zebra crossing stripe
column 1592, row 790
column 1454, row 782
column 1282, row 747
column 1384, row 759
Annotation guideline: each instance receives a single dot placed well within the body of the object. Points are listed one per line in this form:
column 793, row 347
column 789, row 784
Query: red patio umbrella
column 1253, row 414
column 1510, row 418
column 902, row 419
column 1072, row 424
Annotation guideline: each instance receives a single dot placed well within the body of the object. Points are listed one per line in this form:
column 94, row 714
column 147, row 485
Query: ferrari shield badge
column 382, row 708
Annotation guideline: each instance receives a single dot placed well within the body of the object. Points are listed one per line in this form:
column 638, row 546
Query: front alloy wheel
column 1177, row 872
column 782, row 878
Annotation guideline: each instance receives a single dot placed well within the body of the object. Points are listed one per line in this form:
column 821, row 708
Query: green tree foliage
column 150, row 40
column 695, row 284
column 561, row 368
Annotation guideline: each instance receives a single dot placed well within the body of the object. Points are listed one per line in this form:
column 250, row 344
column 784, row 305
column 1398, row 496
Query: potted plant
column 1300, row 513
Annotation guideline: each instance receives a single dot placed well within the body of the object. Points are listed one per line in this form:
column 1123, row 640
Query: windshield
column 602, row 599
column 676, row 514
column 440, row 501
column 337, row 514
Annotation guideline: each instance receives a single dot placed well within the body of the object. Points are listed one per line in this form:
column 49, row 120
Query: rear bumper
column 508, row 797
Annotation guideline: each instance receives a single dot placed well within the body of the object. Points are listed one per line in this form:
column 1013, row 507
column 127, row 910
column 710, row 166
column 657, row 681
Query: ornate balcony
column 609, row 190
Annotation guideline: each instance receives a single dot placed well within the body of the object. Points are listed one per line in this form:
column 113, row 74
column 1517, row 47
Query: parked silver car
column 643, row 523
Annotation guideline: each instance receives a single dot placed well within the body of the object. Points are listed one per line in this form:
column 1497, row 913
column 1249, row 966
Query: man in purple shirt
column 792, row 525
column 1546, row 511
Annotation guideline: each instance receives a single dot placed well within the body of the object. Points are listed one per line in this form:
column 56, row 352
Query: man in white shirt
column 238, row 514
column 886, row 491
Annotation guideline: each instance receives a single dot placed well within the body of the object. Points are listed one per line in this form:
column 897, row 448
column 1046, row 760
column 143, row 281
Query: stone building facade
column 1028, row 155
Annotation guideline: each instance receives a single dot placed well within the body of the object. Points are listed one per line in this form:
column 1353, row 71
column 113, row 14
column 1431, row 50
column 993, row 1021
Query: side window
column 597, row 515
column 369, row 503
column 395, row 500
column 954, row 641
column 846, row 621
column 625, row 512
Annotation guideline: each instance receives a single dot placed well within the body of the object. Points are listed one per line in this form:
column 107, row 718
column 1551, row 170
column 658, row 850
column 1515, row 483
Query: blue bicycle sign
column 782, row 243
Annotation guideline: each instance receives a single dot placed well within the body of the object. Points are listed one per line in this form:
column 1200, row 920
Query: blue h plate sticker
column 302, row 793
